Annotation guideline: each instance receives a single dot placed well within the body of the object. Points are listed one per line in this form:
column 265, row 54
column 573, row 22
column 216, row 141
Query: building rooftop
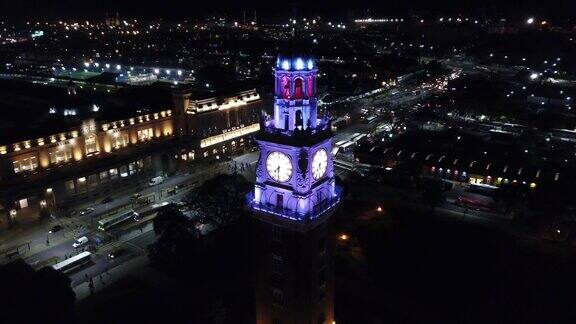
column 32, row 110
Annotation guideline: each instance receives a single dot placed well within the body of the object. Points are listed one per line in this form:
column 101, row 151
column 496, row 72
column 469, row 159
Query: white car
column 156, row 181
column 79, row 242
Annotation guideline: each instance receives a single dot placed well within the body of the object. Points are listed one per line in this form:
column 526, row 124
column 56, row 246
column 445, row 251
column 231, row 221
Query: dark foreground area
column 396, row 268
column 395, row 264
column 402, row 268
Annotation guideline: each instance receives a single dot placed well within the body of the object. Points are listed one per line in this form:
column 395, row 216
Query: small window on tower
column 276, row 233
column 277, row 297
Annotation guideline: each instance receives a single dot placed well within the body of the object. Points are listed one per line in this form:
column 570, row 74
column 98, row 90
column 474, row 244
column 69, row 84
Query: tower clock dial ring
column 319, row 164
column 279, row 166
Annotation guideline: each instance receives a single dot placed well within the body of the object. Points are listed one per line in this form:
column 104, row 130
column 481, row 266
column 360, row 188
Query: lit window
column 91, row 144
column 145, row 134
column 119, row 140
column 60, row 154
column 24, row 165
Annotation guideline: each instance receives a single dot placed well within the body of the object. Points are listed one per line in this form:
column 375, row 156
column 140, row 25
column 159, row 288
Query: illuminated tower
column 294, row 196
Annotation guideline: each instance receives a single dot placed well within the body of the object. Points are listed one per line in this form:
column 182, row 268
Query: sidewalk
column 114, row 274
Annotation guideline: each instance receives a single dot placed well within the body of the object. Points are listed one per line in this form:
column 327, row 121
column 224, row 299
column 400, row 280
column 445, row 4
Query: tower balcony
column 283, row 102
column 319, row 211
column 296, row 137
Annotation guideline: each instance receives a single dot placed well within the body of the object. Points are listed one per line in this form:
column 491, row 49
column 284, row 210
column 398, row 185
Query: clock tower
column 294, row 196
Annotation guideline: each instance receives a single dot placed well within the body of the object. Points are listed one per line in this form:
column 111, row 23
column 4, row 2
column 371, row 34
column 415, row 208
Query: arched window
column 298, row 91
column 299, row 121
column 286, row 88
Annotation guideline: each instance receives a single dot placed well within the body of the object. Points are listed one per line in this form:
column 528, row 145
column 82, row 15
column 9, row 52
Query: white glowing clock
column 279, row 166
column 319, row 164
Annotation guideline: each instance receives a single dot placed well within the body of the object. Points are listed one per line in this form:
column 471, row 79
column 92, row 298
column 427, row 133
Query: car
column 116, row 253
column 107, row 200
column 173, row 191
column 156, row 181
column 55, row 229
column 135, row 196
column 86, row 211
column 158, row 205
column 80, row 241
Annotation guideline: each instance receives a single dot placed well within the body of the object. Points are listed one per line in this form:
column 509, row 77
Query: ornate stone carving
column 302, row 177
column 259, row 168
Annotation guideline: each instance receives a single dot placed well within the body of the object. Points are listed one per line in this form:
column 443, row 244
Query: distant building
column 112, row 20
column 212, row 126
column 97, row 151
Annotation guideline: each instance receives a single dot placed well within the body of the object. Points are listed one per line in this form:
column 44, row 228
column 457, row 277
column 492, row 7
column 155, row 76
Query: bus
column 483, row 189
column 370, row 120
column 108, row 222
column 73, row 263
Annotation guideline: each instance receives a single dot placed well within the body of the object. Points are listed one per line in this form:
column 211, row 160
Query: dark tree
column 219, row 201
column 214, row 269
column 29, row 296
column 177, row 239
column 433, row 193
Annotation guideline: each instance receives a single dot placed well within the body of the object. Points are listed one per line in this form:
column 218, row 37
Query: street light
column 530, row 21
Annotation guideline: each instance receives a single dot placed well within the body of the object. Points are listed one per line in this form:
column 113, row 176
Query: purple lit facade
column 295, row 172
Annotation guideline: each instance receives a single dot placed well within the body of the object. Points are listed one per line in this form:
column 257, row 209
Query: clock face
column 279, row 166
column 319, row 164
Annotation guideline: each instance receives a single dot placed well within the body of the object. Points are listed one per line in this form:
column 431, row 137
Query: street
column 49, row 248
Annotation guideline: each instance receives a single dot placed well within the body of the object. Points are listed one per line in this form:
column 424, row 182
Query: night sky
column 178, row 9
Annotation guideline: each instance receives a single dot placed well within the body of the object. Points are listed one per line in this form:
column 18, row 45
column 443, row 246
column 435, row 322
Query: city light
column 299, row 64
column 530, row 21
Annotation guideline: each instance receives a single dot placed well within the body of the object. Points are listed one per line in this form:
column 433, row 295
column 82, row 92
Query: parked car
column 86, row 211
column 156, row 181
column 173, row 191
column 55, row 229
column 116, row 253
column 135, row 196
column 79, row 242
column 107, row 200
